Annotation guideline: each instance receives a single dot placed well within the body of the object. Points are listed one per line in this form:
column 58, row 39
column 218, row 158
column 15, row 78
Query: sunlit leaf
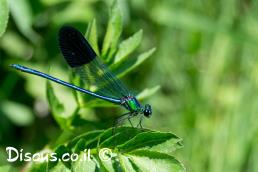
column 82, row 165
column 146, row 160
column 8, row 168
column 4, row 14
column 23, row 17
column 130, row 148
column 147, row 92
column 128, row 46
column 132, row 63
column 113, row 33
column 142, row 141
column 77, row 11
column 52, row 2
column 19, row 114
column 56, row 106
column 92, row 36
column 21, row 48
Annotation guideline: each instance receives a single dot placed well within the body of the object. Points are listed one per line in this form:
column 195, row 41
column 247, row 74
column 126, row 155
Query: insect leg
column 120, row 121
column 140, row 122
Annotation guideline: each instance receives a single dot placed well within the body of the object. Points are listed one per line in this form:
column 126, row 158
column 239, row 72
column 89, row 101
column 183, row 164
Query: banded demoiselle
column 83, row 60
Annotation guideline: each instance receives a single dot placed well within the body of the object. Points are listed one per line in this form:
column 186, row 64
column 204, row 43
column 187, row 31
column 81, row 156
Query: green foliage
column 57, row 108
column 128, row 46
column 133, row 151
column 23, row 17
column 131, row 64
column 17, row 113
column 122, row 63
column 8, row 168
column 113, row 33
column 206, row 64
column 4, row 14
column 92, row 36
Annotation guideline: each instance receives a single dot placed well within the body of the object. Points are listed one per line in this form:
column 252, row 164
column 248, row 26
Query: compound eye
column 147, row 111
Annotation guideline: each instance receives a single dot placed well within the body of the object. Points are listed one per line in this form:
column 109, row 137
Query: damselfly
column 83, row 60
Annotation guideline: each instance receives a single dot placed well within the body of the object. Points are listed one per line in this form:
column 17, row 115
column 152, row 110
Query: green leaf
column 4, row 15
column 91, row 166
column 131, row 63
column 147, row 160
column 19, row 114
column 88, row 137
column 8, row 168
column 108, row 139
column 74, row 11
column 113, row 33
column 56, row 107
column 20, row 49
column 128, row 149
column 92, row 36
column 128, row 46
column 23, row 17
column 147, row 92
column 52, row 2
column 142, row 141
column 54, row 103
column 60, row 167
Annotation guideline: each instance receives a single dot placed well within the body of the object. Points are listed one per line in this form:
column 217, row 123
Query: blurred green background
column 206, row 63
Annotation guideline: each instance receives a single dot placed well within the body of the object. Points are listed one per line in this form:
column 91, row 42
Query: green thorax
column 132, row 104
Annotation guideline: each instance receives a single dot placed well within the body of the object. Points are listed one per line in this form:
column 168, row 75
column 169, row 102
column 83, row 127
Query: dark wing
column 82, row 58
